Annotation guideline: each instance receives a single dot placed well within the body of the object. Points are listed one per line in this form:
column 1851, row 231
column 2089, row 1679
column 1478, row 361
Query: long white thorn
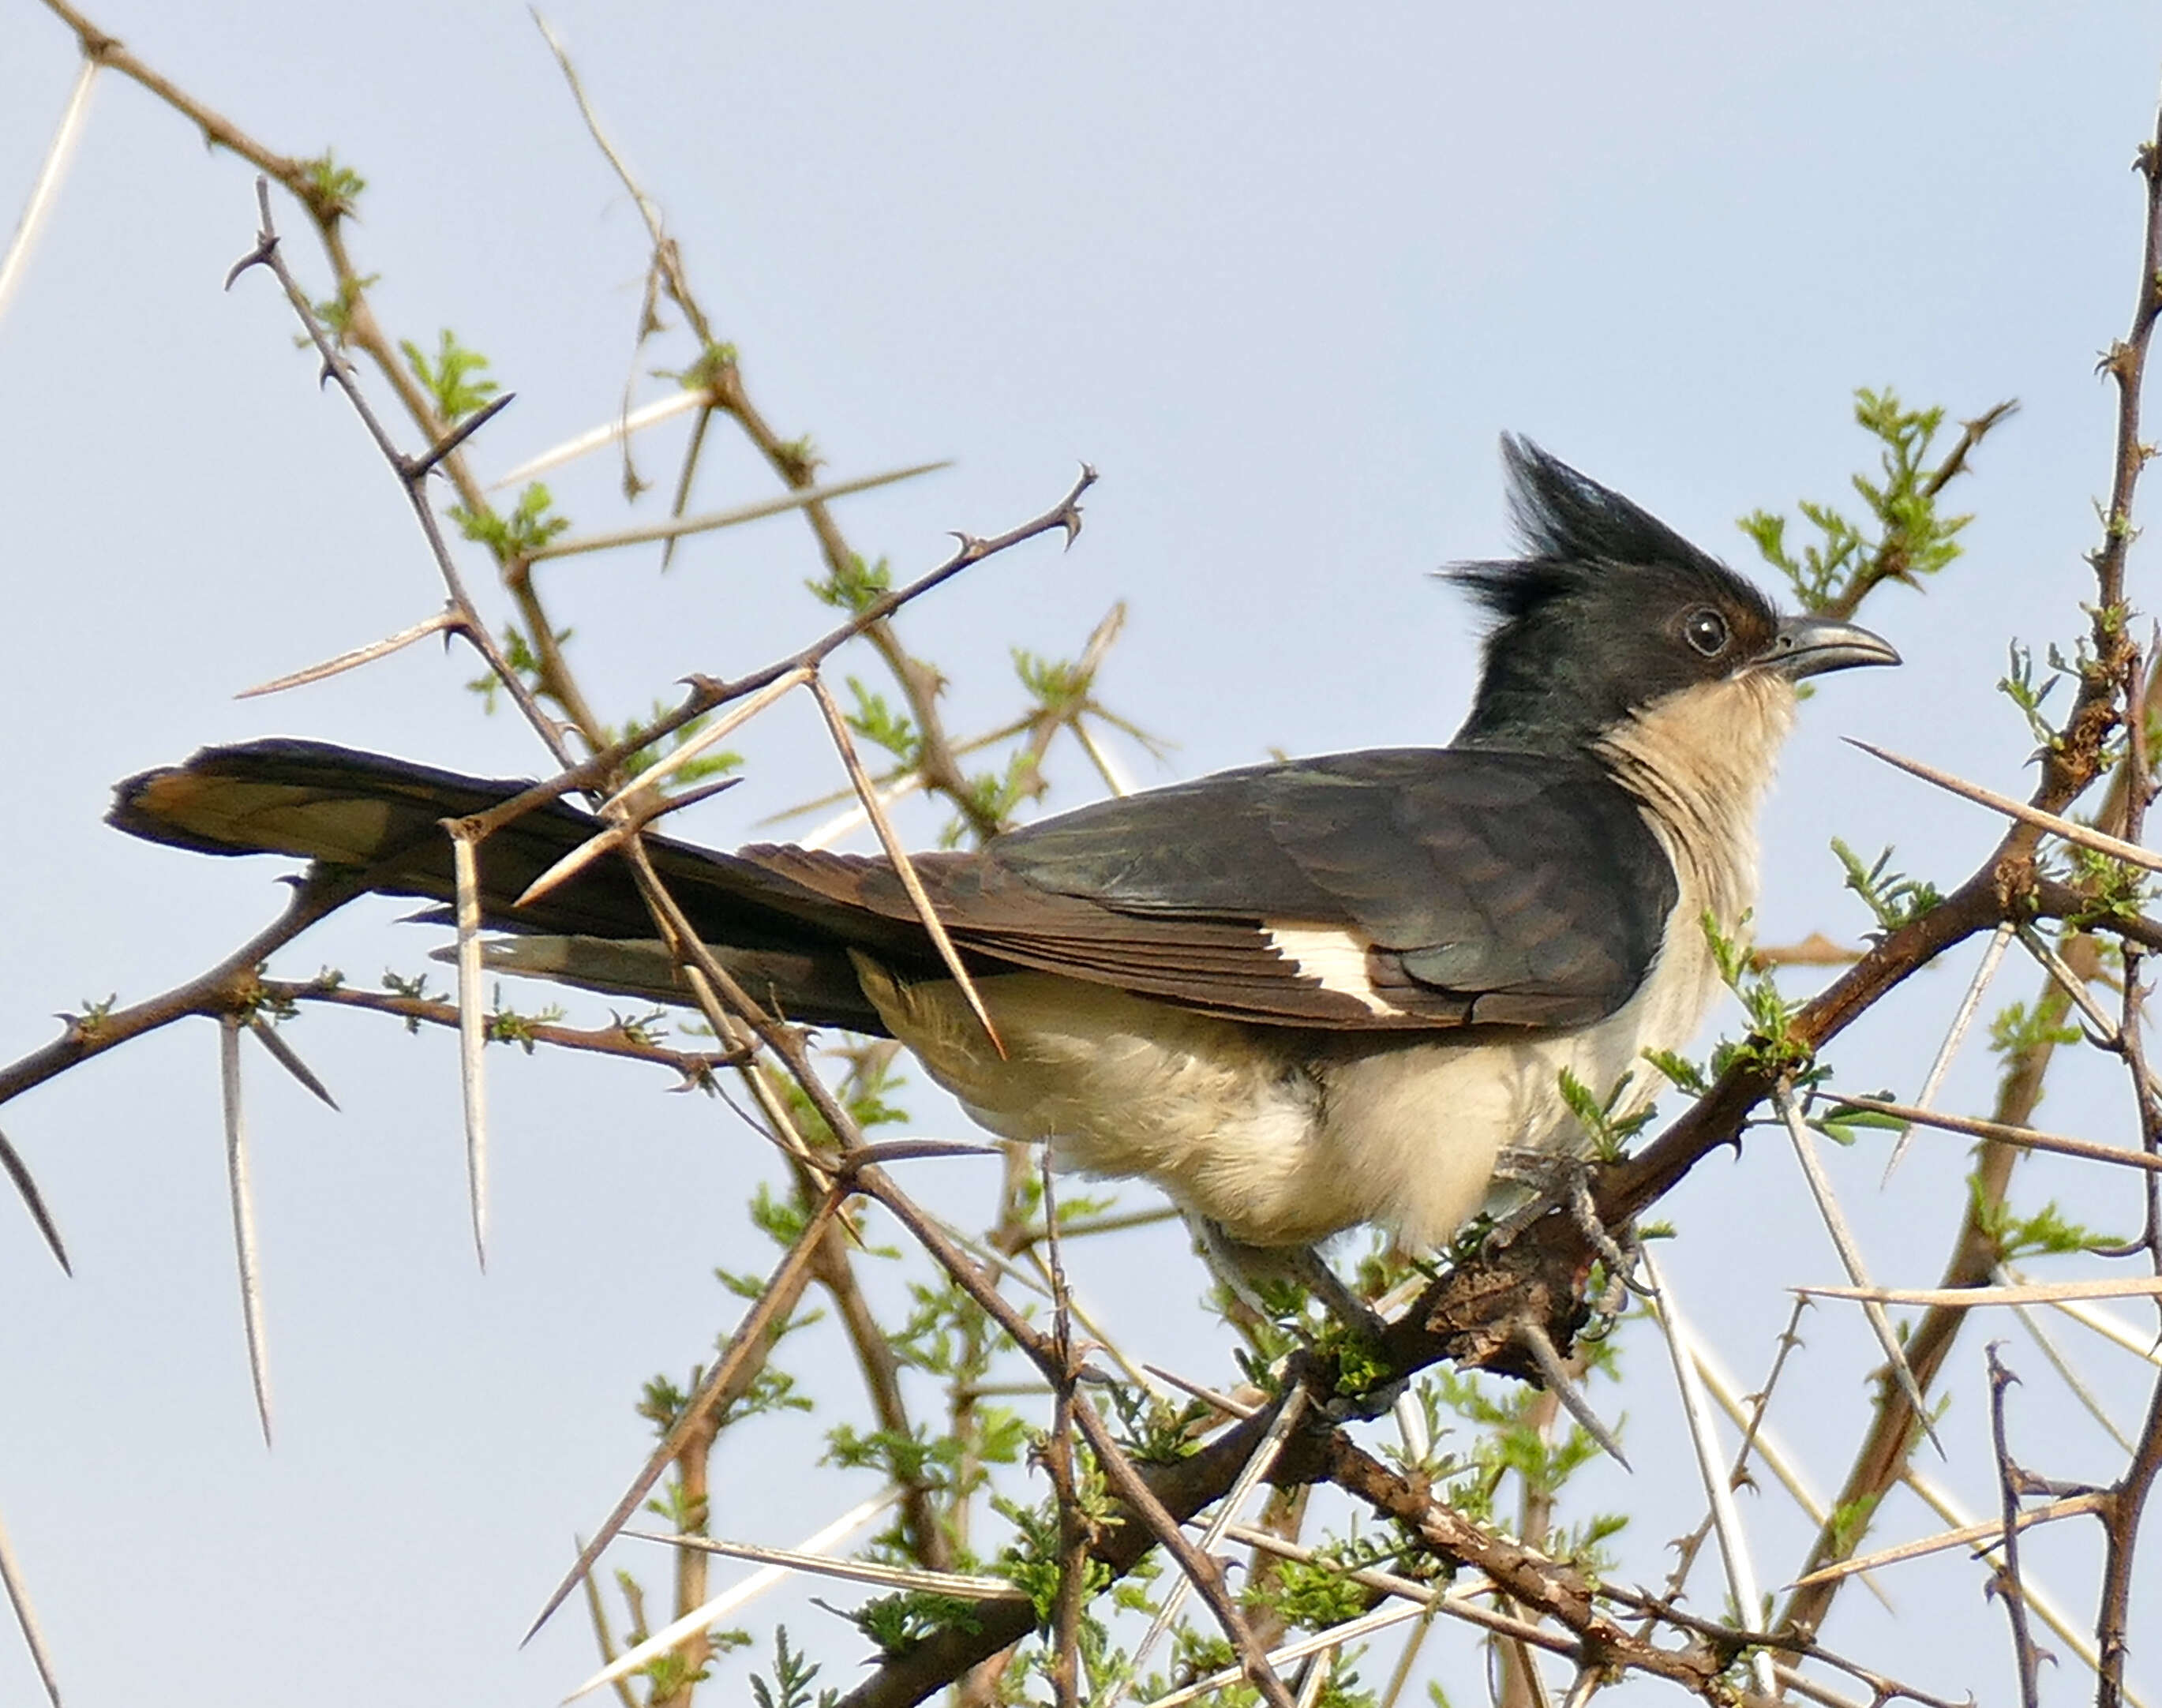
column 735, row 1596
column 1992, row 958
column 719, row 729
column 26, row 1619
column 2102, row 843
column 2140, row 1344
column 1258, row 1464
column 472, row 1036
column 47, row 188
column 358, row 656
column 243, row 1217
column 799, row 497
column 1850, row 1256
column 845, row 743
column 1711, row 1465
column 613, row 431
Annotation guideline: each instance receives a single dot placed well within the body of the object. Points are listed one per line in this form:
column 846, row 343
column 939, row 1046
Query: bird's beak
column 1808, row 646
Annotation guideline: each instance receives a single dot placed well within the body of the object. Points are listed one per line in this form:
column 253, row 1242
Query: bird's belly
column 1280, row 1143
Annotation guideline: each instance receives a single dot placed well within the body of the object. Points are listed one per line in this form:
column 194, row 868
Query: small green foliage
column 1895, row 899
column 915, row 1459
column 275, row 1006
column 1316, row 1594
column 1838, row 1121
column 506, row 1026
column 2116, row 892
column 331, row 190
column 709, row 366
column 414, row 990
column 1770, row 1048
column 649, row 1029
column 530, row 526
column 855, row 586
column 1610, row 1130
column 452, row 378
column 2018, row 1030
column 1849, row 1523
column 1031, row 1560
column 880, row 725
column 1059, row 688
column 2018, row 685
column 524, row 662
column 1157, row 1432
column 781, row 1220
column 1508, row 1441
column 2047, row 1233
column 701, row 768
column 990, row 797
column 798, row 459
column 1686, row 1075
column 1905, row 540
column 791, row 1679
column 862, row 1092
column 896, row 1624
column 336, row 312
column 89, row 1019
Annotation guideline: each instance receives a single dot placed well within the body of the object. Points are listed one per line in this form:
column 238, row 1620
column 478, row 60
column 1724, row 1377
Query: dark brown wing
column 1457, row 887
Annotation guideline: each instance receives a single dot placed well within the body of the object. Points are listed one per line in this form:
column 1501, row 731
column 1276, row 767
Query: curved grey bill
column 1808, row 646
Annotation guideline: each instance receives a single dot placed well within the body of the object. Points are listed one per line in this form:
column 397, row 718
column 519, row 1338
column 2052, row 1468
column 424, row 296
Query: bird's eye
column 1705, row 629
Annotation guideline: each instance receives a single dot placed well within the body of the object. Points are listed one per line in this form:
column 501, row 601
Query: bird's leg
column 1239, row 1266
column 1563, row 1177
column 1353, row 1312
column 1618, row 1251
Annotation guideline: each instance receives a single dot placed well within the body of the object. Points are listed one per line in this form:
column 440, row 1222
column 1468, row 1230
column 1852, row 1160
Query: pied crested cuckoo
column 1298, row 997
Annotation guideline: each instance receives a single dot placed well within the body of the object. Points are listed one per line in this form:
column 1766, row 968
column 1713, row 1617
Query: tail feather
column 338, row 806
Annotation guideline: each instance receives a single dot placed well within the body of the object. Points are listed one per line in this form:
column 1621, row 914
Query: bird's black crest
column 1571, row 527
column 1587, row 623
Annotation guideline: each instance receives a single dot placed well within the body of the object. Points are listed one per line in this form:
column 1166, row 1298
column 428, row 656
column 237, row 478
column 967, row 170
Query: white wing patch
column 1334, row 959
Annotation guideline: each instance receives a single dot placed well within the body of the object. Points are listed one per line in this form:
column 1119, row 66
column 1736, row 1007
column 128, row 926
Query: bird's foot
column 1565, row 1179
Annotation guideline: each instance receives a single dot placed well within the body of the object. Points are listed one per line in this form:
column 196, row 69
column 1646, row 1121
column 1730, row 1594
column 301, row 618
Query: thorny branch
column 1465, row 1316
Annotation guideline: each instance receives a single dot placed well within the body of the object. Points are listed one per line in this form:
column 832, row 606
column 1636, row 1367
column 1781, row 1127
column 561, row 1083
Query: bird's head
column 1610, row 614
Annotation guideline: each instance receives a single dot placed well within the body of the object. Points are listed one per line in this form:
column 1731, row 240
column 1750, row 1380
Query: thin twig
column 2009, row 1589
column 1962, row 1298
column 745, row 1346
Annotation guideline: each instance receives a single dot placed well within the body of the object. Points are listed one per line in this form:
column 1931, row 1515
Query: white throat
column 1700, row 760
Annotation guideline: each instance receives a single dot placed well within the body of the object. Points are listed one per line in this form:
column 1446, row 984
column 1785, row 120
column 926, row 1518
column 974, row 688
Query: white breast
column 1283, row 1140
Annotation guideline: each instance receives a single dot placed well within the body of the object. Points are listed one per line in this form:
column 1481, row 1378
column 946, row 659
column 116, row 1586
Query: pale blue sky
column 1284, row 275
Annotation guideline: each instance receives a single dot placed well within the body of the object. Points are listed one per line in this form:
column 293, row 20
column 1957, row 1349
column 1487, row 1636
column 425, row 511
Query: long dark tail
column 333, row 805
